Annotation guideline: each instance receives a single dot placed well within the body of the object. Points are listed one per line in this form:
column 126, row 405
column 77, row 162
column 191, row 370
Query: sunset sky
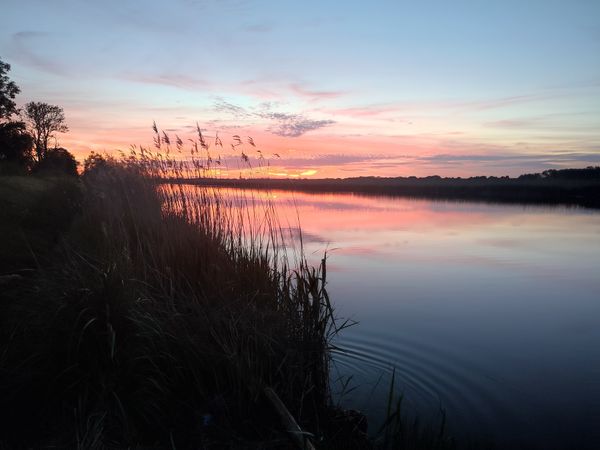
column 338, row 89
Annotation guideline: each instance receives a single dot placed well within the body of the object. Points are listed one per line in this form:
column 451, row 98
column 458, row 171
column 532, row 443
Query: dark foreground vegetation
column 568, row 186
column 148, row 327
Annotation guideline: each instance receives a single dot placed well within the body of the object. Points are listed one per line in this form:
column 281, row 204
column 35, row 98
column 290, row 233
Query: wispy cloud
column 512, row 123
column 294, row 125
column 23, row 50
column 280, row 123
column 514, row 163
column 181, row 81
column 517, row 158
column 559, row 123
column 332, row 159
column 500, row 102
column 304, row 165
column 223, row 106
column 411, row 108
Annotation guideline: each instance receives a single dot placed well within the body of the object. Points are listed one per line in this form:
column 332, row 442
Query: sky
column 324, row 88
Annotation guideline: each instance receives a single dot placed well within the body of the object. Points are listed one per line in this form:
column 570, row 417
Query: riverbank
column 577, row 187
column 154, row 322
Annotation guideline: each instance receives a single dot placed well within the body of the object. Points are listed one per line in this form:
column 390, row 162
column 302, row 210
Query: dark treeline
column 26, row 134
column 567, row 186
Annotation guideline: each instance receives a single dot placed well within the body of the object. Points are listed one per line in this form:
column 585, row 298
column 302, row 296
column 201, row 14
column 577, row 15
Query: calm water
column 491, row 312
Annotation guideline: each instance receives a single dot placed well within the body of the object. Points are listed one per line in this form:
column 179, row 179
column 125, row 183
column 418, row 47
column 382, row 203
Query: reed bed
column 165, row 316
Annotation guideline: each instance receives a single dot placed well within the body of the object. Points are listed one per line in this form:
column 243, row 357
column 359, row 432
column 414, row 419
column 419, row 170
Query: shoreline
column 577, row 192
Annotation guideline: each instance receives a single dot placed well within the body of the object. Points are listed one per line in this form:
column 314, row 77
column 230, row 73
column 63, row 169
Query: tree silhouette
column 96, row 161
column 15, row 143
column 8, row 91
column 44, row 120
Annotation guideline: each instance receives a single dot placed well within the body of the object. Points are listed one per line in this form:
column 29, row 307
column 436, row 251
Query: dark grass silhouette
column 35, row 211
column 160, row 322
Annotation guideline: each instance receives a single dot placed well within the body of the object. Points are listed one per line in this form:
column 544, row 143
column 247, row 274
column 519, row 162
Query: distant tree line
column 25, row 135
column 589, row 173
column 566, row 186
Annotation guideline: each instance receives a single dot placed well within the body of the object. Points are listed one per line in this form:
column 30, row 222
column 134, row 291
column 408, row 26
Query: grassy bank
column 35, row 211
column 160, row 322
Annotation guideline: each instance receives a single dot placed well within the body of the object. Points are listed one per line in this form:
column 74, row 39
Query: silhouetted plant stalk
column 201, row 157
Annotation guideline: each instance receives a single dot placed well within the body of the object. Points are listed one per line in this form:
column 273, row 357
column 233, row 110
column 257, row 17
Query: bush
column 15, row 146
column 57, row 161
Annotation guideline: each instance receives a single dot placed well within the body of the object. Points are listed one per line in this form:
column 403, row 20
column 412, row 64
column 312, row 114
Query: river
column 490, row 312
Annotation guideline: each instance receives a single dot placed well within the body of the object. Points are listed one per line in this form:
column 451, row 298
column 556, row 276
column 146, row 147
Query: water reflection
column 489, row 311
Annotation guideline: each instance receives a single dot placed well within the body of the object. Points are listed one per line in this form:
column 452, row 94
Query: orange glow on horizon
column 320, row 153
column 294, row 157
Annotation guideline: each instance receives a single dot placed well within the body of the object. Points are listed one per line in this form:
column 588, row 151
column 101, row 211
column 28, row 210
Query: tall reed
column 166, row 315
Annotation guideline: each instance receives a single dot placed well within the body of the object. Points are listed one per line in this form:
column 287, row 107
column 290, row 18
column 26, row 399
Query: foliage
column 15, row 143
column 44, row 121
column 57, row 160
column 8, row 91
column 96, row 161
column 589, row 173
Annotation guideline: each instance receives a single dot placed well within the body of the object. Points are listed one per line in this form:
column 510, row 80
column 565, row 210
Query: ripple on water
column 429, row 377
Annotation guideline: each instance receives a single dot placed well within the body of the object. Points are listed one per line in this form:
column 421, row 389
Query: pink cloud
column 300, row 90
